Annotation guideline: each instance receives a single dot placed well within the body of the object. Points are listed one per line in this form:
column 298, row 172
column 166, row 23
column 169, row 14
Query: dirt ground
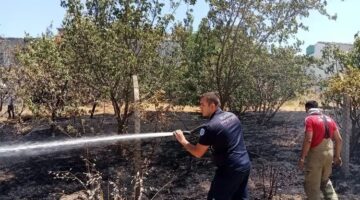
column 169, row 172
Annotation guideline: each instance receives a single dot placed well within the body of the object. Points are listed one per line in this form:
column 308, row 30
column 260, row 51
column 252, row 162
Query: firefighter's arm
column 338, row 147
column 197, row 150
column 305, row 148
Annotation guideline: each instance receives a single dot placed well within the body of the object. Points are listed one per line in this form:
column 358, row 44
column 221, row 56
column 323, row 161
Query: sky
column 18, row 17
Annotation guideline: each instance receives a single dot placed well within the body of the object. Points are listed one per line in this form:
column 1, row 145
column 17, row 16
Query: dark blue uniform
column 224, row 134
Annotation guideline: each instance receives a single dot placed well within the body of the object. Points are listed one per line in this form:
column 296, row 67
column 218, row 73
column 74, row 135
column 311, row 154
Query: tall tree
column 276, row 76
column 108, row 41
column 46, row 83
column 234, row 32
column 342, row 91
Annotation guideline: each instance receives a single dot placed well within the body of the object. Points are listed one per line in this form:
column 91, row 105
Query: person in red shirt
column 319, row 153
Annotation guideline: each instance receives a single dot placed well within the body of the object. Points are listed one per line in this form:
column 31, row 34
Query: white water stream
column 53, row 146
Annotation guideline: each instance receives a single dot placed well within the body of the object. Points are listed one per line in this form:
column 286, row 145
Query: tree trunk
column 53, row 115
column 1, row 103
column 93, row 110
column 117, row 111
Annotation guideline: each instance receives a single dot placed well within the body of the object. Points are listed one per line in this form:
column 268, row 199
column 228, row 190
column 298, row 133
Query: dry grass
column 106, row 108
column 295, row 105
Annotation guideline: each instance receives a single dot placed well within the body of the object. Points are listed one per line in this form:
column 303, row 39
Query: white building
column 316, row 51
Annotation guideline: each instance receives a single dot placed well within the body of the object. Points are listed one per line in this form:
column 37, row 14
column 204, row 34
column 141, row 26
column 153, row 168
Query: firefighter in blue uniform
column 223, row 132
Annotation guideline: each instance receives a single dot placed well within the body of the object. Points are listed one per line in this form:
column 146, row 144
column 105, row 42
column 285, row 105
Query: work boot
column 328, row 190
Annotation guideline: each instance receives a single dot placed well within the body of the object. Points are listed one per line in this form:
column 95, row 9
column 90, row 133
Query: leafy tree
column 12, row 86
column 275, row 77
column 109, row 41
column 345, row 70
column 237, row 31
column 46, row 82
column 240, row 47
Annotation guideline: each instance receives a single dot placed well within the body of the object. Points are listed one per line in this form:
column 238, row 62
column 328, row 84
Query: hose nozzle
column 195, row 130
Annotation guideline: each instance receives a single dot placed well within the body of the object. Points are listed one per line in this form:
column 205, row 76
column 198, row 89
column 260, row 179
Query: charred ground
column 169, row 171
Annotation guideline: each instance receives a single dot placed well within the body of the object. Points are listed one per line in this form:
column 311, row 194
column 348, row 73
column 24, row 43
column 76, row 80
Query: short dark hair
column 311, row 104
column 211, row 97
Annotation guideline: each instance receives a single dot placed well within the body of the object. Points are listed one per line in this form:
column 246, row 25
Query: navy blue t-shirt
column 224, row 134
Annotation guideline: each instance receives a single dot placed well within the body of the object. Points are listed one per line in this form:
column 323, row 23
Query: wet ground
column 107, row 172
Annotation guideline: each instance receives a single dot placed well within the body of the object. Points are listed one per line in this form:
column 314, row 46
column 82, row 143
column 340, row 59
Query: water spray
column 27, row 149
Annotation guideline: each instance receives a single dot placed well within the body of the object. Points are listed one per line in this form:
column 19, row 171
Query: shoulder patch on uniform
column 202, row 132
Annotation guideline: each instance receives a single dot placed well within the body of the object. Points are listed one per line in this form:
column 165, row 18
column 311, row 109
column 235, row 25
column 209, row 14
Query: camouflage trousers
column 318, row 169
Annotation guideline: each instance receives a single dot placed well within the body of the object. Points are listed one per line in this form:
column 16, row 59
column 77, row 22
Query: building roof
column 316, row 49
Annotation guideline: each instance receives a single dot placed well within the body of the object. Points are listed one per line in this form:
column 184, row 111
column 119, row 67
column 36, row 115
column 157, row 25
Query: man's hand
column 337, row 161
column 301, row 164
column 180, row 137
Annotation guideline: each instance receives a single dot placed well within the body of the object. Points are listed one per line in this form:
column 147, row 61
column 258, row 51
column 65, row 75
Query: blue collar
column 218, row 110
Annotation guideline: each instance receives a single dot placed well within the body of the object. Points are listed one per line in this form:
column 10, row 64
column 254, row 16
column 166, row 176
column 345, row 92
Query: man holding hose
column 223, row 132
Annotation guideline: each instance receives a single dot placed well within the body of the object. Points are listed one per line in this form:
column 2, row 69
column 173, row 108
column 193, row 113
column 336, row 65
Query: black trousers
column 11, row 111
column 229, row 185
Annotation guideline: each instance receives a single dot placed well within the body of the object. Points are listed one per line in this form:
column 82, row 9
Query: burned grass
column 107, row 172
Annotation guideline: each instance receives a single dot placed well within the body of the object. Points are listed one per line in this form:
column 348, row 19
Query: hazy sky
column 34, row 16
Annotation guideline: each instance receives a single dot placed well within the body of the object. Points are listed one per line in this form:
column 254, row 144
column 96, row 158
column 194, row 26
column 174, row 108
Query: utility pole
column 138, row 186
